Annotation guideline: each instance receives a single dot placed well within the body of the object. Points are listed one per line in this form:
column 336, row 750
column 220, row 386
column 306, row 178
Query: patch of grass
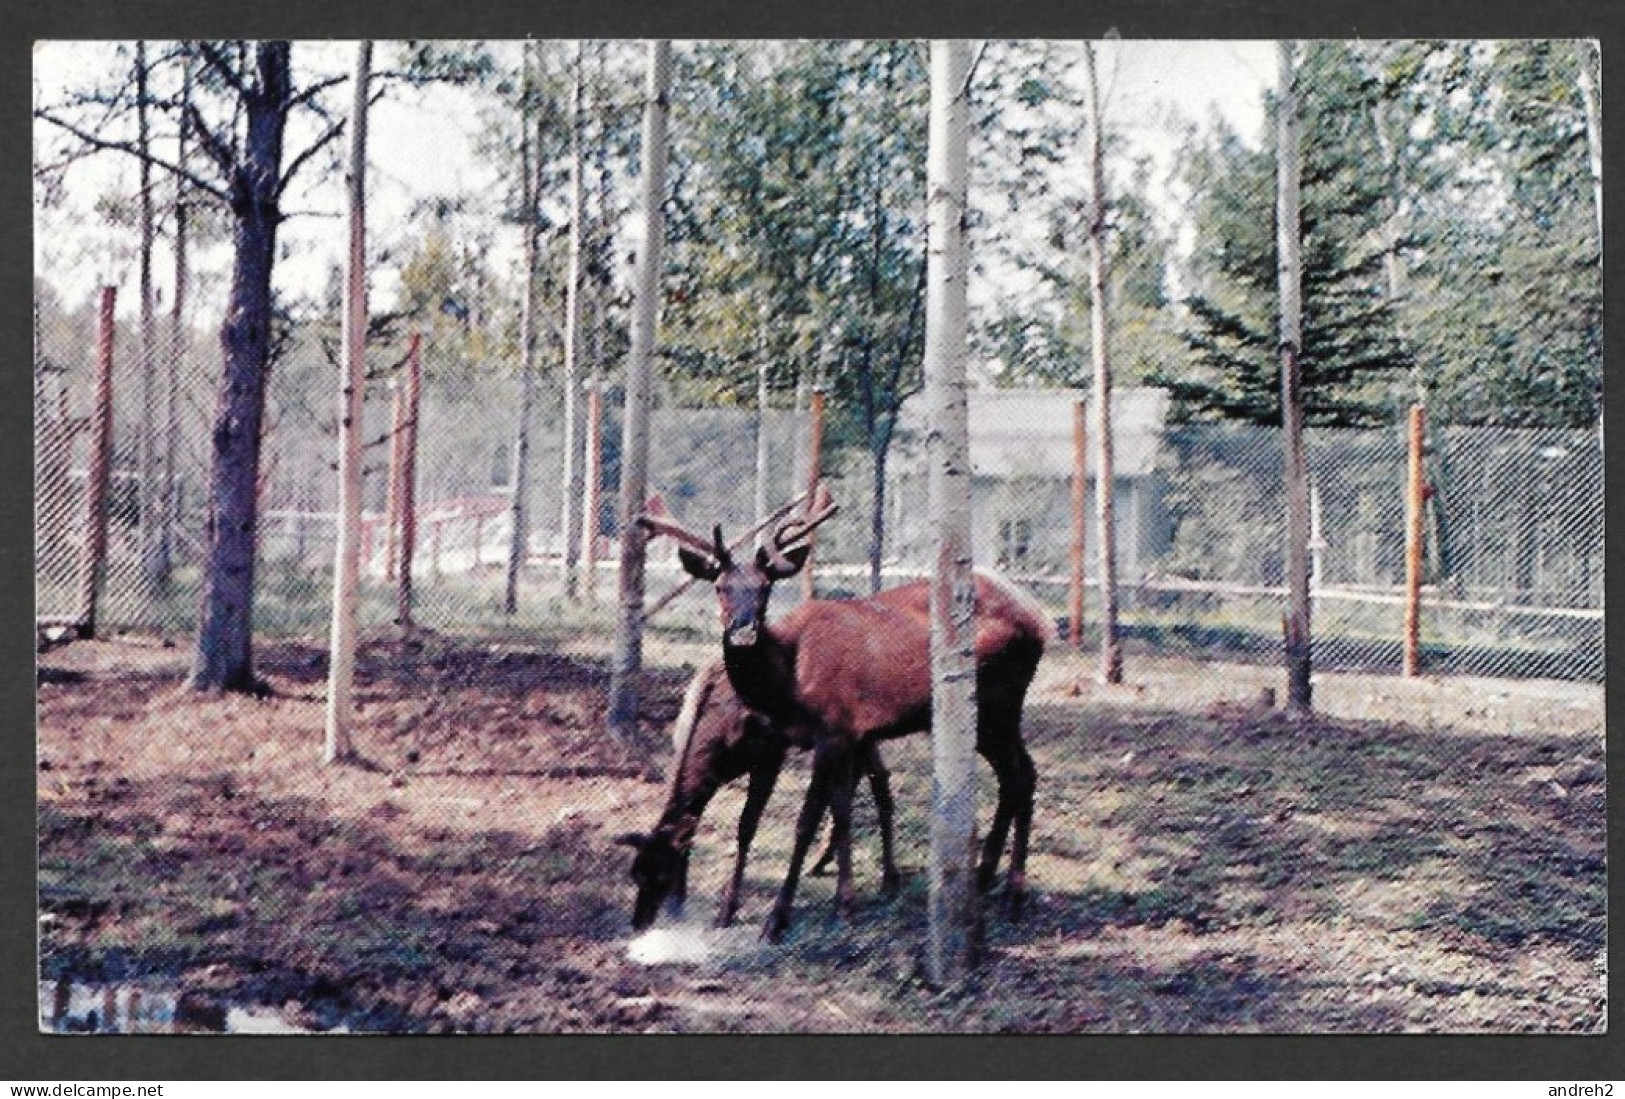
column 1526, row 903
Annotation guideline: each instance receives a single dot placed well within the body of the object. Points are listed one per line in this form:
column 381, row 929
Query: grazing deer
column 716, row 739
column 843, row 674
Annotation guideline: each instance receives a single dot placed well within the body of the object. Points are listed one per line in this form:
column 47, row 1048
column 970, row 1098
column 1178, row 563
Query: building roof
column 1028, row 432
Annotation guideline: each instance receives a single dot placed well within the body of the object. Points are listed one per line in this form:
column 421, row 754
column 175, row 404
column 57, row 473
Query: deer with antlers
column 843, row 674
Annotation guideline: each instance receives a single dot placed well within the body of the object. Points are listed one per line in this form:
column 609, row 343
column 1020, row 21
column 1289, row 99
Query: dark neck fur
column 763, row 675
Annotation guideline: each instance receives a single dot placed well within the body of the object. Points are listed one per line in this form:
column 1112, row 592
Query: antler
column 791, row 530
column 657, row 520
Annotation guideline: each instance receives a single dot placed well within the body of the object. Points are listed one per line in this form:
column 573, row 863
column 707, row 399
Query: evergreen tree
column 1352, row 354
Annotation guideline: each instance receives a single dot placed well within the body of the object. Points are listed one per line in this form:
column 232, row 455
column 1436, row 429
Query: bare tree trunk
column 952, row 938
column 1393, row 264
column 147, row 444
column 338, row 746
column 1591, row 98
column 628, row 660
column 223, row 660
column 1289, row 246
column 176, row 352
column 1592, row 101
column 519, row 507
column 877, row 516
column 1111, row 646
column 571, row 524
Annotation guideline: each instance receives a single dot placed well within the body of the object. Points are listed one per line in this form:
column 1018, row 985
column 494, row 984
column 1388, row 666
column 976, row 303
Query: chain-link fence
column 1514, row 519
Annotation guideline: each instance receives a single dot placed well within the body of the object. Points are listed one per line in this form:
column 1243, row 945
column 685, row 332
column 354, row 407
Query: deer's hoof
column 891, row 883
column 1015, row 900
column 775, row 927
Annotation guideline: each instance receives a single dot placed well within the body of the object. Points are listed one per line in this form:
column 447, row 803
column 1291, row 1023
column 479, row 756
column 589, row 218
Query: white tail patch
column 1026, row 601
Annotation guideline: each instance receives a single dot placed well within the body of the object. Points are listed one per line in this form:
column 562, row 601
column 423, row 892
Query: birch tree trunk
column 339, row 746
column 175, row 353
column 952, row 934
column 519, row 506
column 1111, row 646
column 1591, row 98
column 628, row 659
column 147, row 445
column 1288, row 223
column 571, row 525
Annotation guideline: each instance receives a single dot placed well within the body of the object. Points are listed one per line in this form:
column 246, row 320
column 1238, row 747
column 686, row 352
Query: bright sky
column 421, row 145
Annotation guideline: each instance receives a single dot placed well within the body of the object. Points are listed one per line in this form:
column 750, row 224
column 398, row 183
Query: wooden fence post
column 408, row 481
column 592, row 473
column 93, row 575
column 815, row 465
column 1080, row 524
column 1414, row 500
column 392, row 496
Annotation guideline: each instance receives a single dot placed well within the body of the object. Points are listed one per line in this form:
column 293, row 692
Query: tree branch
column 304, row 157
column 224, row 67
column 218, row 151
column 96, row 142
column 311, row 92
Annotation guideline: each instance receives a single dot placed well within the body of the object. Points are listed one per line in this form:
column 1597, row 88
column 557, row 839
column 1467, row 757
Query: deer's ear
column 698, row 565
column 796, row 558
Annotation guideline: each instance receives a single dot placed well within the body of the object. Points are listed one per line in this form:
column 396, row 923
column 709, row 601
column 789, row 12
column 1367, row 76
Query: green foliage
column 797, row 227
column 1038, row 331
column 1449, row 242
column 1506, row 295
column 1352, row 351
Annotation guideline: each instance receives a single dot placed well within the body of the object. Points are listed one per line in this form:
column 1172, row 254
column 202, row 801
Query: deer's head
column 659, row 869
column 743, row 585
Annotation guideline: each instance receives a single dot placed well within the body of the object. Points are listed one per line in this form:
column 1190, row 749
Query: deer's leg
column 842, row 785
column 1013, row 768
column 880, row 784
column 993, row 845
column 885, row 809
column 812, row 815
column 679, row 889
column 1015, row 889
column 821, row 867
column 762, row 780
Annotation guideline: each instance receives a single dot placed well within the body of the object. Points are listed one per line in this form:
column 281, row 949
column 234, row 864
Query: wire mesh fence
column 1513, row 581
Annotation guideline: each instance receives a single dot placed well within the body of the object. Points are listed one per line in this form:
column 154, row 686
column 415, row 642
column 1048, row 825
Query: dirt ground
column 1421, row 856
